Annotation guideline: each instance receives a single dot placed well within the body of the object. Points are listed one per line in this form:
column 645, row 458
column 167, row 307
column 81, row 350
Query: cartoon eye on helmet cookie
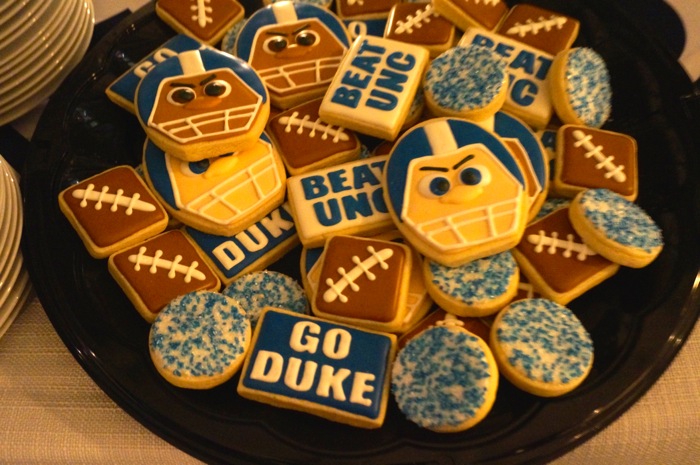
column 296, row 49
column 219, row 195
column 201, row 103
column 455, row 191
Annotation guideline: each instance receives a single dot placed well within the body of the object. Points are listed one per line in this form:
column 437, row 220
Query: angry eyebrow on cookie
column 443, row 169
column 462, row 161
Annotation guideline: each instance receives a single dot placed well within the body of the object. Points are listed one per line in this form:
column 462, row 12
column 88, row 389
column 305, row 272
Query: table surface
column 52, row 412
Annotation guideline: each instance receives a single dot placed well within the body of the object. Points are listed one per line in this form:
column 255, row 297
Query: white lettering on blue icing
column 340, row 367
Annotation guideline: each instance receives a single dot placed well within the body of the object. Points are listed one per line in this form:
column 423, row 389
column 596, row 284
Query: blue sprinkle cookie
column 478, row 288
column 261, row 289
column 199, row 340
column 579, row 82
column 445, row 379
column 541, row 347
column 616, row 228
column 466, row 81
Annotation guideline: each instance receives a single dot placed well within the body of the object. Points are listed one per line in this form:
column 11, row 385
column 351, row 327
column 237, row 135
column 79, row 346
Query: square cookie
column 154, row 272
column 112, row 210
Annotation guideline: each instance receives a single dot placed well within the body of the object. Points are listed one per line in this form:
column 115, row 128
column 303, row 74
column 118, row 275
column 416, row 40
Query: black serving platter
column 638, row 319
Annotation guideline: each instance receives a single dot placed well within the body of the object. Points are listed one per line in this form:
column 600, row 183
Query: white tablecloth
column 51, row 412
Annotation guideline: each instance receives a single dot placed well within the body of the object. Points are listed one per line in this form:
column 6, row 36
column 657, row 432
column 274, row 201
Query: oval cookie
column 445, row 379
column 541, row 347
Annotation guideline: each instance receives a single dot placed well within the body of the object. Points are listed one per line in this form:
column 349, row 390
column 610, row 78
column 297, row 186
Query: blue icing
column 620, row 220
column 508, row 126
column 545, row 341
column 588, row 86
column 199, row 334
column 442, row 377
column 465, row 78
column 261, row 289
column 297, row 357
column 478, row 281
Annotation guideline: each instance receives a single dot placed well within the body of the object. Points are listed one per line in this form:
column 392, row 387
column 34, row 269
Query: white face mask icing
column 296, row 75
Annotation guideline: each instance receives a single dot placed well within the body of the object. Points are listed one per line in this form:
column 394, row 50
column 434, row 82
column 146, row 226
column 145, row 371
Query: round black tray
column 638, row 319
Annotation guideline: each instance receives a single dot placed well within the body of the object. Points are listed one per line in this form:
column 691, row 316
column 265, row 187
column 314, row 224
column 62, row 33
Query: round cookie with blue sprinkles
column 616, row 228
column 579, row 83
column 541, row 347
column 445, row 379
column 267, row 288
column 199, row 340
column 478, row 288
column 468, row 81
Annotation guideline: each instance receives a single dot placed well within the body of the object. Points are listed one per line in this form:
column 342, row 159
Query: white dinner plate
column 54, row 55
column 4, row 193
column 43, row 14
column 12, row 9
column 9, row 286
column 38, row 39
column 32, row 11
column 16, row 302
column 11, row 231
column 25, row 103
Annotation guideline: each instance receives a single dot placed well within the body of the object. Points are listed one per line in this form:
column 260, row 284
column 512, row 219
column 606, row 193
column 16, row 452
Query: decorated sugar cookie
column 478, row 288
column 541, row 347
column 455, row 191
column 326, row 369
column 306, row 142
column 123, row 90
column 295, row 47
column 594, row 158
column 220, row 195
column 530, row 154
column 112, row 210
column 539, row 27
column 528, row 68
column 252, row 249
column 266, row 288
column 557, row 261
column 375, row 86
column 580, row 86
column 616, row 228
column 468, row 81
column 205, row 20
column 363, row 282
column 418, row 23
column 202, row 103
column 159, row 269
column 199, row 340
column 343, row 199
column 445, row 379
column 484, row 14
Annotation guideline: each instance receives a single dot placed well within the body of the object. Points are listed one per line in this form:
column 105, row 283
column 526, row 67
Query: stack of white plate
column 14, row 278
column 41, row 41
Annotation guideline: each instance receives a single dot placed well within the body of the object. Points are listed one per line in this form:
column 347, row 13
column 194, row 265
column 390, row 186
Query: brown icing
column 376, row 300
column 302, row 139
column 157, row 289
column 105, row 223
column 543, row 29
column 414, row 24
column 561, row 273
column 205, row 25
column 488, row 14
column 577, row 169
column 364, row 8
